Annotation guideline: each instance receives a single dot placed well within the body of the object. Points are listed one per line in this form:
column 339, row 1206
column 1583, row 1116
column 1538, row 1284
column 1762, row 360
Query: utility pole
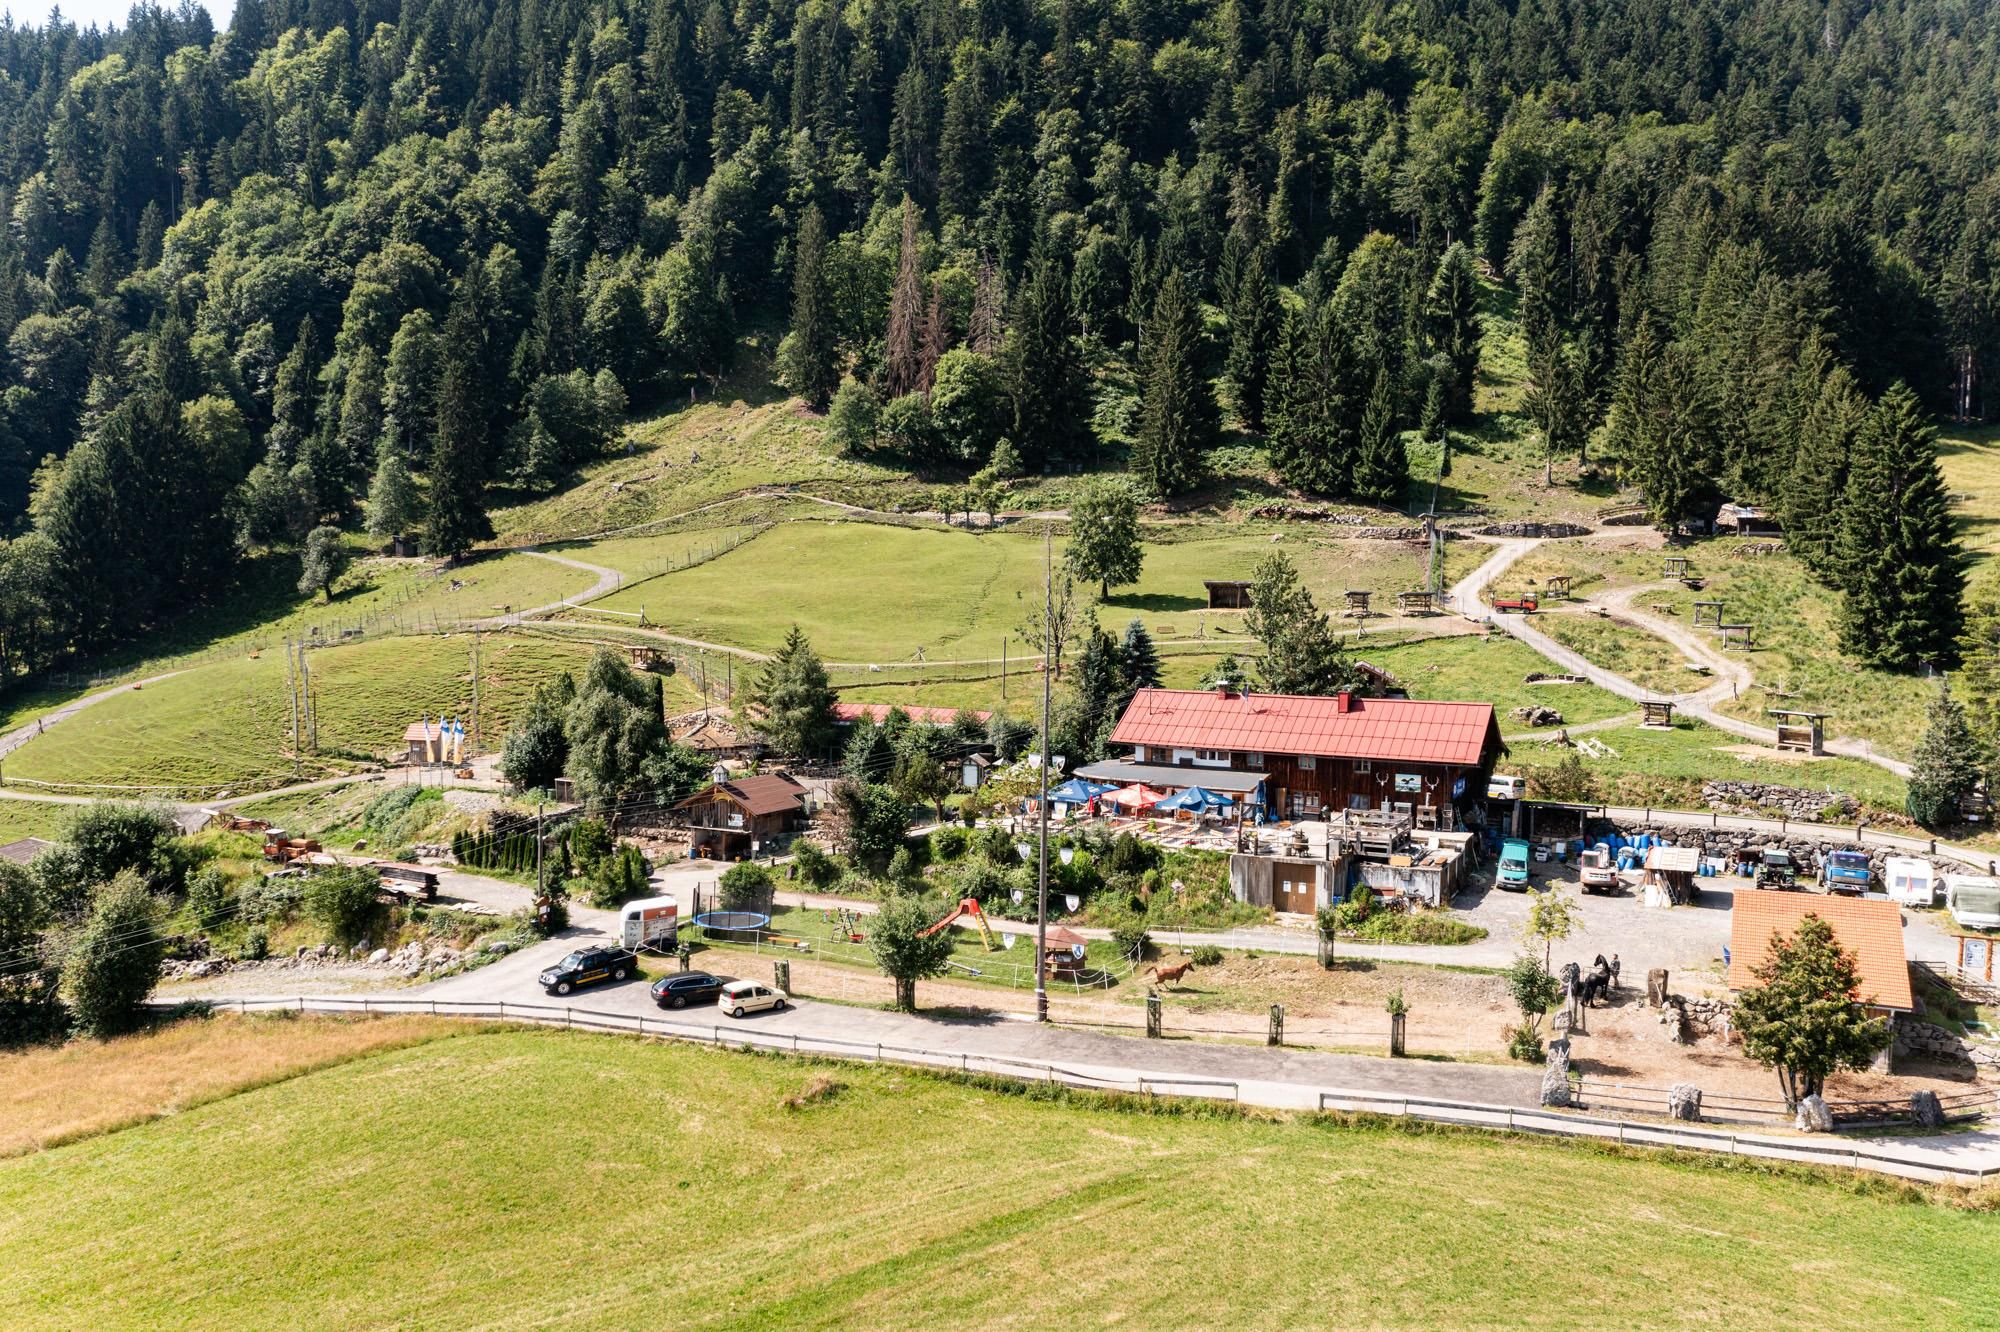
column 292, row 688
column 1003, row 668
column 1042, row 811
column 475, row 732
column 541, row 893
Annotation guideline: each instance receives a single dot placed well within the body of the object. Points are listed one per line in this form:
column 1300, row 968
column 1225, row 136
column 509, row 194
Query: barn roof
column 1871, row 930
column 25, row 850
column 773, row 793
column 877, row 713
column 1393, row 729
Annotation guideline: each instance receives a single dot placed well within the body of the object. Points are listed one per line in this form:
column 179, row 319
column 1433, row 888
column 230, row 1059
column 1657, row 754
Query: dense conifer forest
column 376, row 263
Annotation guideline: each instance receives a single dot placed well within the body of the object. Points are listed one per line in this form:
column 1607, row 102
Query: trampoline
column 731, row 922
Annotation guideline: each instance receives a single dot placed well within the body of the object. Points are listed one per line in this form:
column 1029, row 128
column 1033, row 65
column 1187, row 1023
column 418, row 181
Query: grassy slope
column 530, row 1178
column 226, row 723
column 32, row 818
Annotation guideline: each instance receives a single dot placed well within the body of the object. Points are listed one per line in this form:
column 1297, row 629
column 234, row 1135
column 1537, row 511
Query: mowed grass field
column 32, row 818
column 872, row 592
column 535, row 1178
column 228, row 723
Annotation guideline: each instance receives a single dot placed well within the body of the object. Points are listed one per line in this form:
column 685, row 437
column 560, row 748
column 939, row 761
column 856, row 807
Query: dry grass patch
column 53, row 1095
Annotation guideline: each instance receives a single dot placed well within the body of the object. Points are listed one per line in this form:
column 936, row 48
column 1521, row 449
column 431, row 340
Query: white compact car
column 740, row 997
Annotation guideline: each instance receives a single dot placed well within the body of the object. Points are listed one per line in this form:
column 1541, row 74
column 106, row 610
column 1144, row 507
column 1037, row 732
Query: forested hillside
column 377, row 263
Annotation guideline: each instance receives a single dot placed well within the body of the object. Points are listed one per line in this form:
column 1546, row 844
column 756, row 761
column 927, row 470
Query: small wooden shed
column 1357, row 603
column 1800, row 732
column 1656, row 712
column 1670, row 875
column 1227, row 594
column 1414, row 603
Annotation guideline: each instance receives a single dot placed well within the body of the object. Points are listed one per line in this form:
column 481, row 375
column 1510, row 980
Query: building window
column 1253, row 760
column 1364, row 765
column 1307, row 763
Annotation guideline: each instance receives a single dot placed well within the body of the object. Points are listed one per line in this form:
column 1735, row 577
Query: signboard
column 1458, row 789
column 1409, row 781
column 650, row 922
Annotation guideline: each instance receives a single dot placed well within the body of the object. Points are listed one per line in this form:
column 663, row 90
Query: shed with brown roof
column 25, row 850
column 742, row 816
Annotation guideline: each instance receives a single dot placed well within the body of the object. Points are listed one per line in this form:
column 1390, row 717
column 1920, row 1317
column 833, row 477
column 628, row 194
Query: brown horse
column 1168, row 975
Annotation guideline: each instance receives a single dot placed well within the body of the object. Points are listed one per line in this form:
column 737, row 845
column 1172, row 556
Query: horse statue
column 1597, row 985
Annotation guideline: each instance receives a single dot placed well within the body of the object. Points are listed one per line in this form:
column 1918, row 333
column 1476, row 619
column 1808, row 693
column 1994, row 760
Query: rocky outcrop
column 1790, row 801
column 1684, row 1102
column 1536, row 715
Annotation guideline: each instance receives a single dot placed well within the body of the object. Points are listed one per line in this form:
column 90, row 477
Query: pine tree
column 791, row 702
column 1255, row 319
column 457, row 516
column 361, row 406
column 1138, row 658
column 809, row 359
column 1451, row 327
column 1804, row 1017
column 1677, row 444
column 1179, row 421
column 1901, row 569
column 1302, row 655
column 1045, row 372
column 295, row 396
column 1534, row 264
column 394, row 507
column 1947, row 764
column 1380, row 467
column 1812, row 493
column 904, row 353
column 1314, row 411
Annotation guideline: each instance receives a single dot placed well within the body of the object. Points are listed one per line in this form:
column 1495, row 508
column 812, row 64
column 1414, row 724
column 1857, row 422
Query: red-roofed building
column 847, row 714
column 1314, row 755
column 1871, row 930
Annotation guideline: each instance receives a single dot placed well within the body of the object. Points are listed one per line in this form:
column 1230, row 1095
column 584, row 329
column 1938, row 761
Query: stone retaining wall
column 1931, row 1041
column 1792, row 801
column 1527, row 528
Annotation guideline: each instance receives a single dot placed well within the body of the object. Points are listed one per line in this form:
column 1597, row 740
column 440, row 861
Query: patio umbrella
column 1076, row 791
column 1199, row 800
column 1137, row 797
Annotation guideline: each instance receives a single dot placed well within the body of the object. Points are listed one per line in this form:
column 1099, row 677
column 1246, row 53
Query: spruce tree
column 1451, row 327
column 1812, row 494
column 1677, row 444
column 1254, row 328
column 1901, row 569
column 1179, row 420
column 1315, row 406
column 791, row 701
column 1045, row 372
column 1138, row 658
column 1380, row 466
column 1302, row 654
column 904, row 354
column 809, row 359
column 394, row 507
column 457, row 515
column 1947, row 764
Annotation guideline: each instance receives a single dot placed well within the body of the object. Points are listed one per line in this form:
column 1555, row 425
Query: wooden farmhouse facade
column 1305, row 758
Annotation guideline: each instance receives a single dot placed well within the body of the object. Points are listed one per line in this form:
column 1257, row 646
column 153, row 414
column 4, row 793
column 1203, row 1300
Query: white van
column 1503, row 787
column 1974, row 900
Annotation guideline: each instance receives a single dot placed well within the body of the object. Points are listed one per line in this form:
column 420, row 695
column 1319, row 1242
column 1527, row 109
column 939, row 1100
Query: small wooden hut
column 1656, row 712
column 1800, row 732
column 1227, row 594
column 1357, row 603
column 1670, row 876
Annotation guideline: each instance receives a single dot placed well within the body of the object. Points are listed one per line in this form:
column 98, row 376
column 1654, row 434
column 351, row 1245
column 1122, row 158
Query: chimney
column 1343, row 702
column 1222, row 690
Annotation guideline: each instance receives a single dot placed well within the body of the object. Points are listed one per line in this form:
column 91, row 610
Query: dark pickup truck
column 588, row 966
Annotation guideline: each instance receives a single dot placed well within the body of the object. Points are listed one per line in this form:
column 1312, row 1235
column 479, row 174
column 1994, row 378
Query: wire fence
column 1469, row 1114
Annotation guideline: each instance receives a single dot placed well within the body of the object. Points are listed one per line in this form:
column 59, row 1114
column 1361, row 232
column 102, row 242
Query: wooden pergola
column 1414, row 603
column 1357, row 603
column 646, row 658
column 1656, row 712
column 1736, row 637
column 1707, row 612
column 1557, row 586
column 1800, row 732
column 1674, row 566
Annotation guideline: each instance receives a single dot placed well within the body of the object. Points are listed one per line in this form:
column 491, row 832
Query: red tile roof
column 878, row 713
column 1871, row 930
column 1394, row 729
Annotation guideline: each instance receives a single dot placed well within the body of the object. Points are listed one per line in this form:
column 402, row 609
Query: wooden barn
column 1227, row 594
column 740, row 817
column 1310, row 757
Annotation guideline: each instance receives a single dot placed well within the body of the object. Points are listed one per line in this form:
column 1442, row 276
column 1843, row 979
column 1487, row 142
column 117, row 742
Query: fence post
column 1277, row 1034
column 1153, row 1016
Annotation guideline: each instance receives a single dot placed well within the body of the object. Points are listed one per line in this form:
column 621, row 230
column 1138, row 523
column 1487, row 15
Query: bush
column 747, row 887
column 589, row 843
column 210, row 898
column 1525, row 1044
column 984, row 883
column 341, row 900
column 1129, row 855
column 819, row 870
column 256, row 944
column 949, row 842
column 271, row 899
column 386, row 812
column 1207, row 955
column 114, row 961
column 1395, row 1005
column 619, row 877
column 1418, row 927
column 1128, row 933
